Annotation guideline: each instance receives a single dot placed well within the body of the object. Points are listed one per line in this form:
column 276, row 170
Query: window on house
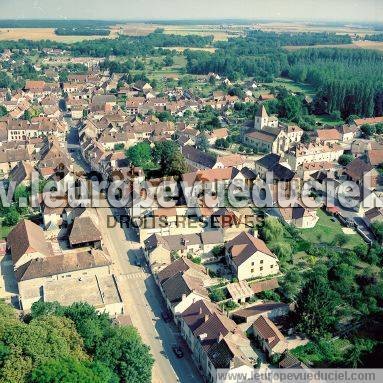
column 261, row 261
column 261, row 268
column 252, row 270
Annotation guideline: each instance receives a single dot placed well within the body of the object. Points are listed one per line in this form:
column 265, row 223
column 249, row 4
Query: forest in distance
column 347, row 81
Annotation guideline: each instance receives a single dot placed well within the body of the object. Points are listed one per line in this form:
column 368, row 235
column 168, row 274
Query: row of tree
column 81, row 31
column 346, row 80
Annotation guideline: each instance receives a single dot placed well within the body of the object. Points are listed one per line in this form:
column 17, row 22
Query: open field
column 201, row 30
column 181, row 49
column 45, row 34
column 138, row 29
column 307, row 27
column 293, row 86
column 378, row 45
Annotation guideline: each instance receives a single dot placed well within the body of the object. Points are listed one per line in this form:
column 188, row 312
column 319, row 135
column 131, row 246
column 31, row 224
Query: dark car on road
column 166, row 316
column 177, row 351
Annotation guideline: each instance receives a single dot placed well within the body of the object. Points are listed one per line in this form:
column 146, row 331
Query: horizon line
column 206, row 19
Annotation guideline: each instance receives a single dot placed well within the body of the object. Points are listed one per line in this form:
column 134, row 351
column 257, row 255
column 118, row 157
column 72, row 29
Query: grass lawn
column 328, row 120
column 326, row 230
column 293, row 86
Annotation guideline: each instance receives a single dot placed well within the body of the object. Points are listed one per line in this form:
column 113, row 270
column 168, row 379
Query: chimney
column 206, row 317
column 220, row 337
column 202, row 336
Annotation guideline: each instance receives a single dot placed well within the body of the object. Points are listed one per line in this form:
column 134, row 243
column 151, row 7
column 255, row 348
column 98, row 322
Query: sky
column 331, row 10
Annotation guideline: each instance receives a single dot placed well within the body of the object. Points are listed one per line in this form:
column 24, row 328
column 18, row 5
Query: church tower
column 261, row 118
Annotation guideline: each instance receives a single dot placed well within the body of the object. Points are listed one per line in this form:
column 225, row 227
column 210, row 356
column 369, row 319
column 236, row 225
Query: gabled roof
column 268, row 331
column 180, row 265
column 183, row 284
column 60, row 264
column 195, row 315
column 199, row 157
column 27, row 237
column 328, row 135
column 357, row 169
column 269, row 161
column 244, row 245
column 84, row 230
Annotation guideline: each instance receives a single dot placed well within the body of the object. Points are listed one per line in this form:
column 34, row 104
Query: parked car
column 177, row 351
column 166, row 316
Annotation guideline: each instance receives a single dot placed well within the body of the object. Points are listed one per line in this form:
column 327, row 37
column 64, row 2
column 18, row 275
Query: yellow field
column 378, row 45
column 44, row 34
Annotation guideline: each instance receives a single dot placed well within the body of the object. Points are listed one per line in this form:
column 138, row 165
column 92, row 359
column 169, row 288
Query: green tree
column 70, row 370
column 317, row 305
column 202, row 142
column 379, row 128
column 359, row 348
column 27, row 115
column 345, row 159
column 377, row 228
column 171, row 161
column 217, row 295
column 140, row 155
column 118, row 348
column 291, row 108
column 3, row 111
column 168, row 60
column 283, row 251
column 123, row 352
column 12, row 216
column 291, row 284
column 22, row 193
column 368, row 130
column 272, row 229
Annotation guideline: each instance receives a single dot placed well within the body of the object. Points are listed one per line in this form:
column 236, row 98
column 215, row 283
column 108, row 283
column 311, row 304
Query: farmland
column 378, row 45
column 44, row 34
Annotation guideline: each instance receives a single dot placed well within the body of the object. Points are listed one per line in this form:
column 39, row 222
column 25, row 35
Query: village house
column 197, row 159
column 249, row 257
column 39, row 264
column 313, row 152
column 182, row 283
column 328, row 136
column 159, row 249
column 362, row 173
column 270, row 338
column 299, row 216
column 215, row 341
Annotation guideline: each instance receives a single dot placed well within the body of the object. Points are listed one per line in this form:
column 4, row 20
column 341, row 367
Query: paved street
column 144, row 304
column 141, row 296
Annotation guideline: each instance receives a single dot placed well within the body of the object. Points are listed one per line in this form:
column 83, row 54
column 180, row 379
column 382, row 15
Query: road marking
column 138, row 275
